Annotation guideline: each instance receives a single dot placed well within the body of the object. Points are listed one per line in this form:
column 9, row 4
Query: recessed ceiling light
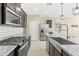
column 46, row 13
column 36, row 9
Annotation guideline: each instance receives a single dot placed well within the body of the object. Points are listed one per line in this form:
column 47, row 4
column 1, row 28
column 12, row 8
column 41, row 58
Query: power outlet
column 75, row 26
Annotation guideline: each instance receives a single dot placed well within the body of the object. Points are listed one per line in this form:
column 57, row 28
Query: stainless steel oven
column 12, row 18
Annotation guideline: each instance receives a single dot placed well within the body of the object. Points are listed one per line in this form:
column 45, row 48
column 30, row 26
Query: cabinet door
column 47, row 45
column 57, row 53
column 51, row 50
column 64, row 53
column 29, row 42
column 13, row 6
column 17, row 5
column 11, row 53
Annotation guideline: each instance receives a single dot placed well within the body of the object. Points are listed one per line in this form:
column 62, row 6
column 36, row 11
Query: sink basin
column 63, row 41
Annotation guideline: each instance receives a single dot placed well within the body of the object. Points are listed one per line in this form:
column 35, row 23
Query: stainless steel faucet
column 60, row 29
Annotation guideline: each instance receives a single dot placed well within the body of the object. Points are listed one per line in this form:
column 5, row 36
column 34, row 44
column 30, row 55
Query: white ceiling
column 50, row 11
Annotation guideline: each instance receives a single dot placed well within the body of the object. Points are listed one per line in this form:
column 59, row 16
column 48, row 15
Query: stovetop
column 14, row 41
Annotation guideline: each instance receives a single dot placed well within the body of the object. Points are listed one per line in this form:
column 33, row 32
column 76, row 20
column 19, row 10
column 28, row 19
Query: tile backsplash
column 10, row 31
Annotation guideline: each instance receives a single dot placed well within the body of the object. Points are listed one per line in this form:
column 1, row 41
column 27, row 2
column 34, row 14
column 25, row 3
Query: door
column 34, row 30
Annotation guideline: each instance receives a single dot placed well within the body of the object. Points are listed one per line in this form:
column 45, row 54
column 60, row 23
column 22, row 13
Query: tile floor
column 37, row 48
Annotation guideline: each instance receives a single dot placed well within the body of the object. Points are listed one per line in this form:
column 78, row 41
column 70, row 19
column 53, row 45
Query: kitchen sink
column 63, row 41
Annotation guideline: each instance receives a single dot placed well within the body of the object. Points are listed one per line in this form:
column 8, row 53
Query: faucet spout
column 60, row 29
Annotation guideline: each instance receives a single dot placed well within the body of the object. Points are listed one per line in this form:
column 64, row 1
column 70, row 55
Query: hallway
column 37, row 48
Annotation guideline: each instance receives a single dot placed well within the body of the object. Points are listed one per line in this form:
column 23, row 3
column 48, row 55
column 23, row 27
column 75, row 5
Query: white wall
column 73, row 32
column 72, row 20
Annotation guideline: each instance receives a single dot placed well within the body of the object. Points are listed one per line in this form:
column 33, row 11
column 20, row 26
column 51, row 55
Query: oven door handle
column 22, row 50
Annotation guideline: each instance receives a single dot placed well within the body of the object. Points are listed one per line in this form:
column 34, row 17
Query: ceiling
column 51, row 10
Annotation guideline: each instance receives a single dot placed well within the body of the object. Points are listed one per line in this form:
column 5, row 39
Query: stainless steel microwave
column 12, row 18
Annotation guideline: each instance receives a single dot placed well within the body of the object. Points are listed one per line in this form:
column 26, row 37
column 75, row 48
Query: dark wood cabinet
column 16, row 7
column 13, row 6
column 57, row 53
column 12, row 53
column 51, row 50
column 64, row 53
column 47, row 45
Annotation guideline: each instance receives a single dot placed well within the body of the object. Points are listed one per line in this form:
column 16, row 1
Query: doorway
column 34, row 30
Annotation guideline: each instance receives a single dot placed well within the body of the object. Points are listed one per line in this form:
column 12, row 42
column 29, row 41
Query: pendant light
column 62, row 15
column 75, row 10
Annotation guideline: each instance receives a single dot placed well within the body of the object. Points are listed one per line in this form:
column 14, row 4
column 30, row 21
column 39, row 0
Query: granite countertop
column 4, row 37
column 72, row 50
column 5, row 50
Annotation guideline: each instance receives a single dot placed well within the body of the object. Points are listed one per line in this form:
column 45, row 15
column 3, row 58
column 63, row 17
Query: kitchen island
column 54, row 48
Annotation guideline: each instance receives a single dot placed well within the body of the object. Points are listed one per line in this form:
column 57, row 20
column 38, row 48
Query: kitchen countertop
column 4, row 37
column 7, row 32
column 72, row 50
column 5, row 50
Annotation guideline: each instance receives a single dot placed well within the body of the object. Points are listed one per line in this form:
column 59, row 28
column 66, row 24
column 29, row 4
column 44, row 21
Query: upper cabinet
column 12, row 10
column 14, row 6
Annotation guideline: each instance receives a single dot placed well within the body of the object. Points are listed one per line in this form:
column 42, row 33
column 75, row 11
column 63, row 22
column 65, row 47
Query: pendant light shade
column 62, row 16
column 75, row 10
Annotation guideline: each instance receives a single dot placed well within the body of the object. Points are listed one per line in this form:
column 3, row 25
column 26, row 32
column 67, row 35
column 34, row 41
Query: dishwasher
column 23, row 50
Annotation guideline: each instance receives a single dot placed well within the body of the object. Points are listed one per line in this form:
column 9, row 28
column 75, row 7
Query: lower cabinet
column 11, row 53
column 47, row 45
column 64, row 53
column 57, row 53
column 29, row 42
column 53, row 51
